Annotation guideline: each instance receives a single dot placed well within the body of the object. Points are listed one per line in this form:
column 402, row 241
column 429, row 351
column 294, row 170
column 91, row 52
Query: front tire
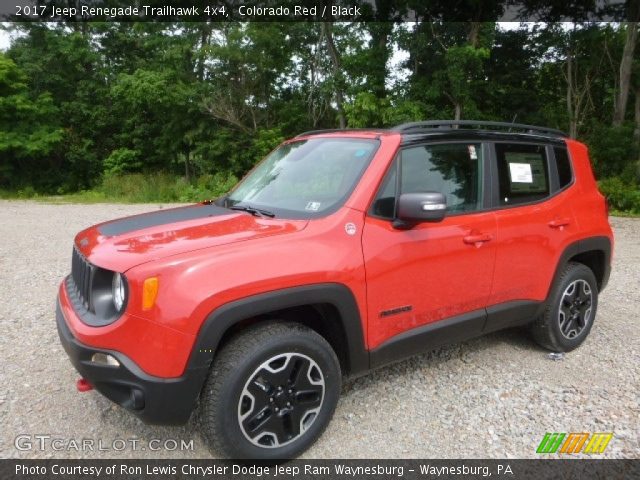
column 271, row 392
column 570, row 310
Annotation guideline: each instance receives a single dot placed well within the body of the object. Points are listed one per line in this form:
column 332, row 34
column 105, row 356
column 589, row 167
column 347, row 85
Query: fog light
column 105, row 359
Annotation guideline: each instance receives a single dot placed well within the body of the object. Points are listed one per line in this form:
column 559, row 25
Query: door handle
column 559, row 223
column 477, row 239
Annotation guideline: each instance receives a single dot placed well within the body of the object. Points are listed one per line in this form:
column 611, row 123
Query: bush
column 208, row 187
column 138, row 188
column 121, row 161
column 27, row 192
column 163, row 187
column 622, row 196
column 612, row 151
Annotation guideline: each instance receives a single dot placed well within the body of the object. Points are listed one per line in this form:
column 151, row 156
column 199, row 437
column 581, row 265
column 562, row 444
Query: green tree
column 28, row 131
column 204, row 101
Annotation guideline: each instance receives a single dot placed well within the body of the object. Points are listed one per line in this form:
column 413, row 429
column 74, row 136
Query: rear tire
column 271, row 392
column 570, row 310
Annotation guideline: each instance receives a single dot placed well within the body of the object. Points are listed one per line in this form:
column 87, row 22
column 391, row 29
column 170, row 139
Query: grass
column 137, row 188
column 618, row 213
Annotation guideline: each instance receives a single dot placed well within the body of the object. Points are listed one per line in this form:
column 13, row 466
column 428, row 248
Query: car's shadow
column 517, row 338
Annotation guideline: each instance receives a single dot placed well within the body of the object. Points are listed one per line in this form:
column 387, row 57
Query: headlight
column 119, row 291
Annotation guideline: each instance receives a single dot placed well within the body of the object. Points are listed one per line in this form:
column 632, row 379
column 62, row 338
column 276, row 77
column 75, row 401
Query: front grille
column 82, row 275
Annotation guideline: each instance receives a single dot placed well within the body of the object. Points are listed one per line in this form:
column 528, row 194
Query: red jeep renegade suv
column 340, row 252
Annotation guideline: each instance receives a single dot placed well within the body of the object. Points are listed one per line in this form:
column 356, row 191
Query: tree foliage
column 81, row 103
column 29, row 131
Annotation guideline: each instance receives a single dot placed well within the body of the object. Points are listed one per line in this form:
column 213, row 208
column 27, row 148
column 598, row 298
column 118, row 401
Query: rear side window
column 522, row 173
column 564, row 166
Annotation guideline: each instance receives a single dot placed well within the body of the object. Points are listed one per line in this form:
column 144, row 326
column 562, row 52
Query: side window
column 522, row 173
column 564, row 166
column 453, row 169
column 385, row 203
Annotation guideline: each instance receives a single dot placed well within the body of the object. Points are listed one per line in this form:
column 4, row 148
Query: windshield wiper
column 258, row 212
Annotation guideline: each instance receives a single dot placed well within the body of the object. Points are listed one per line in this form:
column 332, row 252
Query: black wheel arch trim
column 338, row 295
column 586, row 245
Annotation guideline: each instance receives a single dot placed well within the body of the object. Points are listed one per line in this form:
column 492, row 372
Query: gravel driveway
column 491, row 397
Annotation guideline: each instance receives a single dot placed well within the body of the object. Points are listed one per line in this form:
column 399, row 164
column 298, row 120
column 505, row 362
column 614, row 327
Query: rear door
column 433, row 271
column 535, row 222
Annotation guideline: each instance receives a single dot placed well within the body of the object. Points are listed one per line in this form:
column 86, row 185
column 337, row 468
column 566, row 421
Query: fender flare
column 601, row 244
column 226, row 316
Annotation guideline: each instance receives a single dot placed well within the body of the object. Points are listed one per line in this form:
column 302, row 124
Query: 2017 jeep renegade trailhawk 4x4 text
column 340, row 252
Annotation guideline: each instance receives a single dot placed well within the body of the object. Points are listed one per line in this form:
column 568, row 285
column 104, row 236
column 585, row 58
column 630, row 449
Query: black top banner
column 317, row 10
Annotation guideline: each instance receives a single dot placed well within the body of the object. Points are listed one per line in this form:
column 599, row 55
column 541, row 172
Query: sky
column 5, row 38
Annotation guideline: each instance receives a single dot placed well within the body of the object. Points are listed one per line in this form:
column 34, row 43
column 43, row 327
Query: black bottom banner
column 319, row 469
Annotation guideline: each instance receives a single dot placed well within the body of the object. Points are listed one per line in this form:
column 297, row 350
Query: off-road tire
column 546, row 329
column 233, row 369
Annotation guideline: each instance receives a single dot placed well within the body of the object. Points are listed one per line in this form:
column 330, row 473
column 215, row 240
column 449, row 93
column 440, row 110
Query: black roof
column 425, row 127
column 457, row 127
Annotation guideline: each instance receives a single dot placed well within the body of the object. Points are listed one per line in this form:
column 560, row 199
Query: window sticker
column 520, row 173
column 473, row 155
column 527, row 172
column 313, row 206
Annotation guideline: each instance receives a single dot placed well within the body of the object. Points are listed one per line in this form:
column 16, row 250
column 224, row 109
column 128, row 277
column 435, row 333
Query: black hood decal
column 163, row 217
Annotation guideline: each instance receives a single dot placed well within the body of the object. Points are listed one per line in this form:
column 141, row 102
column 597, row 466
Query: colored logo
column 574, row 442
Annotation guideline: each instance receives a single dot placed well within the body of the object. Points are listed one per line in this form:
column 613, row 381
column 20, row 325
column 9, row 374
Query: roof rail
column 421, row 127
column 333, row 130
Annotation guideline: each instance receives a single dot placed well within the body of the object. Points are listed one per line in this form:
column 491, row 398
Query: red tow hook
column 83, row 385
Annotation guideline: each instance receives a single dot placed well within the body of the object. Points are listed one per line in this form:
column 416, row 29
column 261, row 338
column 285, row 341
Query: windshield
column 306, row 178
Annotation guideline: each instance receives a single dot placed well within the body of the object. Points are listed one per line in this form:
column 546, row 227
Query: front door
column 433, row 271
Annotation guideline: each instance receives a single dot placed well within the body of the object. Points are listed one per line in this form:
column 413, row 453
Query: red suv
column 340, row 252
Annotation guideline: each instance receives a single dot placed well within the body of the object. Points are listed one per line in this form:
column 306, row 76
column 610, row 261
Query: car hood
column 126, row 242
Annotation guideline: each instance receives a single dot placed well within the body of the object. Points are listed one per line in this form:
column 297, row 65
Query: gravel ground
column 491, row 397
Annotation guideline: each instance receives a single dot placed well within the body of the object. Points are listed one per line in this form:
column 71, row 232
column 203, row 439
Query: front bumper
column 166, row 401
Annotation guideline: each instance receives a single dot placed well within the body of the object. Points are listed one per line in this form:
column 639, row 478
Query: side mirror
column 420, row 207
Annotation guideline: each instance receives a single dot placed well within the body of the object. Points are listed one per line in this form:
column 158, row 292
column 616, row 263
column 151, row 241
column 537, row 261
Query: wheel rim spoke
column 291, row 422
column 296, row 369
column 259, row 389
column 275, row 426
column 567, row 326
column 256, row 422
